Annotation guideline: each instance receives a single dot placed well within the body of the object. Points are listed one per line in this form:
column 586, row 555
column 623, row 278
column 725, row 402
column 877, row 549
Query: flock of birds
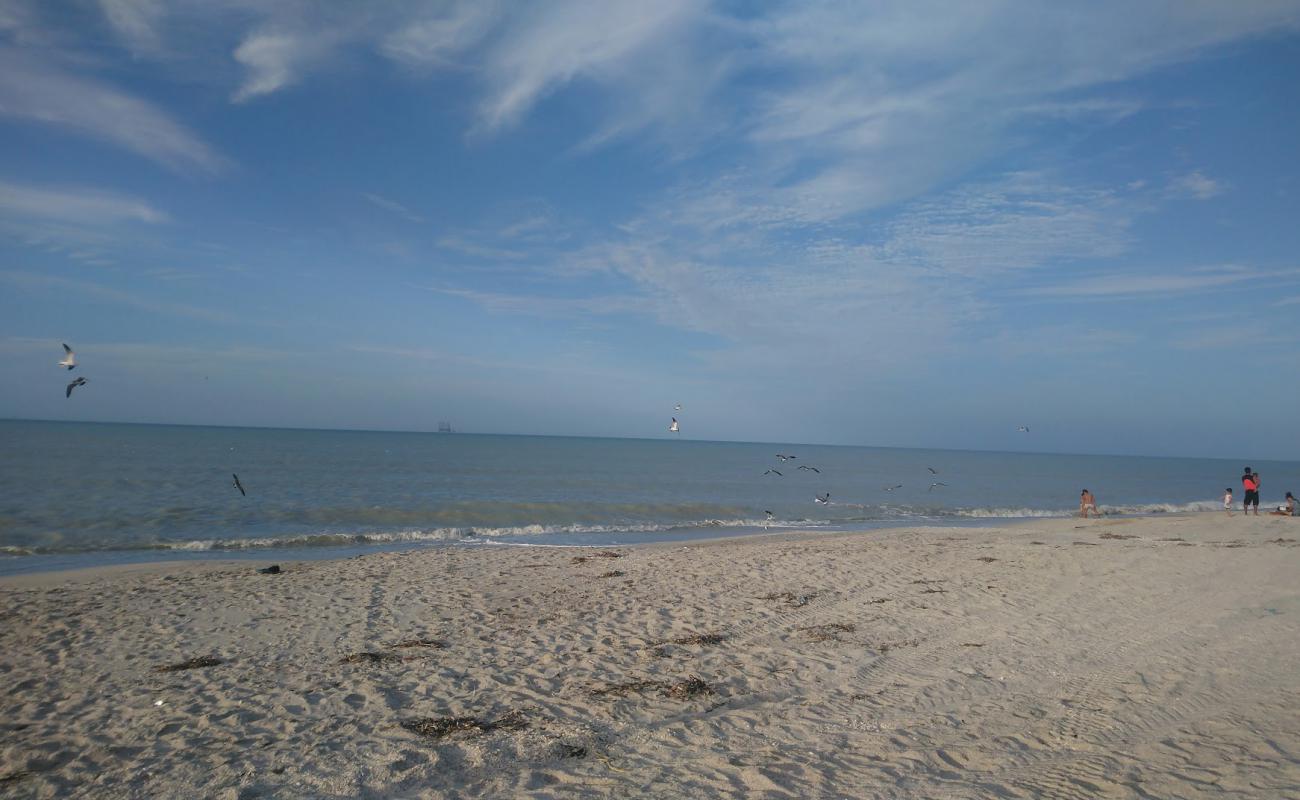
column 822, row 499
column 69, row 362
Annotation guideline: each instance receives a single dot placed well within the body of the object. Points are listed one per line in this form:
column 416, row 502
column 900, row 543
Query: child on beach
column 1227, row 500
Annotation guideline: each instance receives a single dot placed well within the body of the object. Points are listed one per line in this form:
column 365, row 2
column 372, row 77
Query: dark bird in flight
column 772, row 472
column 769, row 515
column 823, row 500
column 784, row 457
column 238, row 485
column 69, row 358
column 936, row 483
column 892, row 488
column 814, row 469
column 73, row 385
column 1023, row 429
column 933, row 471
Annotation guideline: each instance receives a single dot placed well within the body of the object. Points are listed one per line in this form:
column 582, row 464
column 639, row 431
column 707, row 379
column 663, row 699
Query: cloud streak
column 75, row 204
column 38, row 92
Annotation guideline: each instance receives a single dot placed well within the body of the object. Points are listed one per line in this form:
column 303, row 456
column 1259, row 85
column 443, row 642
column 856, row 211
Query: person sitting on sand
column 1287, row 510
column 1087, row 501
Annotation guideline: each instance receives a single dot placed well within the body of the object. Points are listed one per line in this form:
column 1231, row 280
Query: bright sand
column 1142, row 658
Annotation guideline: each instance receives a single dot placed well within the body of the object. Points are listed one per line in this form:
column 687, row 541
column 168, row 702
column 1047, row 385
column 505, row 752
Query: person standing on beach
column 1227, row 500
column 1087, row 501
column 1250, row 495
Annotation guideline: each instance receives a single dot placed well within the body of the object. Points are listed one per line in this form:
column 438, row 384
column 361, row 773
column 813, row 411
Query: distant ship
column 445, row 427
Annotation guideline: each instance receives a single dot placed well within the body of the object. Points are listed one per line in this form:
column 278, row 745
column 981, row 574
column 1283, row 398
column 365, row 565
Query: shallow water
column 88, row 493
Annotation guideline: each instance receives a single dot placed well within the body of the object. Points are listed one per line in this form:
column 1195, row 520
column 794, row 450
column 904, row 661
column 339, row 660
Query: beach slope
column 1126, row 658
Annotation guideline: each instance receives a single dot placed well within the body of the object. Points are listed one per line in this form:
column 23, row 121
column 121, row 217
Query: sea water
column 84, row 494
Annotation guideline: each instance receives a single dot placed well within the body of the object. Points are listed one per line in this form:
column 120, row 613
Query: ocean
column 87, row 494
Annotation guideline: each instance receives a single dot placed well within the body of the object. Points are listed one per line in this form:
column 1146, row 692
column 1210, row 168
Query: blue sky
column 892, row 223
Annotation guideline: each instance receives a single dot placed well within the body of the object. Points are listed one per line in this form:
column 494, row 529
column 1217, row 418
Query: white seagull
column 677, row 407
column 892, row 488
column 785, row 457
column 69, row 358
column 936, row 483
column 814, row 469
column 673, row 428
column 1023, row 429
column 823, row 500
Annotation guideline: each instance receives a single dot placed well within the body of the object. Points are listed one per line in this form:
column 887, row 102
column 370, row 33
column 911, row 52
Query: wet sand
column 1128, row 658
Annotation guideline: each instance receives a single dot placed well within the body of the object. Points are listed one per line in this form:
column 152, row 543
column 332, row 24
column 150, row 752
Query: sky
column 910, row 223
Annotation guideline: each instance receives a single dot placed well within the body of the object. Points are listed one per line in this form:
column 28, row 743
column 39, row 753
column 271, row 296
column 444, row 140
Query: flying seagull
column 677, row 407
column 238, row 485
column 673, row 427
column 75, row 384
column 773, row 472
column 769, row 515
column 69, row 358
column 933, row 471
column 823, row 500
column 936, row 483
column 1023, row 429
column 784, row 457
column 892, row 488
column 814, row 469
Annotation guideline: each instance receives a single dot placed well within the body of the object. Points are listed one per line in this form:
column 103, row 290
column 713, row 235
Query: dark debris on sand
column 1084, row 544
column 193, row 663
column 367, row 657
column 829, row 632
column 570, row 751
column 432, row 644
column 934, row 590
column 683, row 689
column 700, row 638
column 986, row 559
column 686, row 688
column 1109, row 535
column 14, row 777
column 442, row 727
column 613, row 573
column 790, row 598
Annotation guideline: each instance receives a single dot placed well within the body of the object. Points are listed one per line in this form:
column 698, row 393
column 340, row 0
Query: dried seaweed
column 934, row 590
column 1109, row 535
column 442, row 727
column 193, row 663
column 972, row 644
column 686, row 688
column 367, row 657
column 613, row 573
column 790, row 598
column 699, row 638
column 433, row 644
column 986, row 559
column 880, row 600
column 1084, row 544
column 827, row 633
column 626, row 688
column 14, row 777
column 609, row 554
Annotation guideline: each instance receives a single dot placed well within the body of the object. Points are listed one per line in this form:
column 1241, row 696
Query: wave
column 890, row 514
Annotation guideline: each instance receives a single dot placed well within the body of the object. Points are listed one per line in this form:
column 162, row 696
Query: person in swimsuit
column 1087, row 501
column 1227, row 500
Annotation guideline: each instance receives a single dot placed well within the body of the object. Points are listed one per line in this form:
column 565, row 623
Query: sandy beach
column 1128, row 658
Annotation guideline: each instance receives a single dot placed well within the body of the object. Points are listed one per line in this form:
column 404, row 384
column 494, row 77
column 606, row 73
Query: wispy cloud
column 1195, row 185
column 41, row 282
column 274, row 60
column 393, row 206
column 75, row 204
column 1140, row 285
column 37, row 91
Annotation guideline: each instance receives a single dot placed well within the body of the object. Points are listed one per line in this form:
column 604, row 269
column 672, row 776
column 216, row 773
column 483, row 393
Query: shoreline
column 14, row 565
column 1127, row 654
